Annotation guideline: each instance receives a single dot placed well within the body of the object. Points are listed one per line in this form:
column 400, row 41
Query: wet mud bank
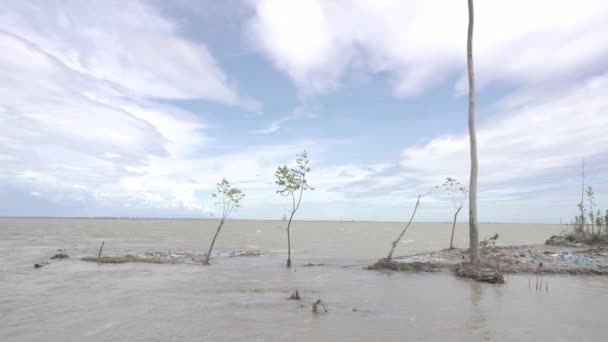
column 574, row 259
column 167, row 257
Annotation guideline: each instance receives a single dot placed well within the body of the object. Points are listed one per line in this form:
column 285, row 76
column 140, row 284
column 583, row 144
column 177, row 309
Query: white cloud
column 302, row 111
column 129, row 45
column 530, row 152
column 422, row 43
column 274, row 126
column 78, row 101
column 533, row 135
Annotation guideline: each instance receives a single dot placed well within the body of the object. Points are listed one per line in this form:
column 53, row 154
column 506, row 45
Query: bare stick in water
column 316, row 304
column 390, row 254
column 100, row 249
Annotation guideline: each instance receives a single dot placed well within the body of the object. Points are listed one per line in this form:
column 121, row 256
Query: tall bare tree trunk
column 454, row 227
column 213, row 242
column 583, row 197
column 473, row 230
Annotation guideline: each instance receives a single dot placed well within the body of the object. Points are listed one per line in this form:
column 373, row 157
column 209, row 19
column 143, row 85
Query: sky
column 138, row 108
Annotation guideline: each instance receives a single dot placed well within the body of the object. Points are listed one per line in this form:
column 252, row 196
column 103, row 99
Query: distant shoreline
column 243, row 219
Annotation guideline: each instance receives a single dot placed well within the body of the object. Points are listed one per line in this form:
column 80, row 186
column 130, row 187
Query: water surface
column 238, row 299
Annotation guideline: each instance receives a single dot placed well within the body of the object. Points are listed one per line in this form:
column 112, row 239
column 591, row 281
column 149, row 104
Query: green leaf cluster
column 230, row 197
column 293, row 179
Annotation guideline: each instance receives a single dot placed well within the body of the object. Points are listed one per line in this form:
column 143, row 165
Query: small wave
column 280, row 251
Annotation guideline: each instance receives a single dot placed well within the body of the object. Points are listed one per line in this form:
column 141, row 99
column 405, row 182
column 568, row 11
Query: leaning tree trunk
column 454, row 227
column 394, row 245
column 213, row 242
column 473, row 230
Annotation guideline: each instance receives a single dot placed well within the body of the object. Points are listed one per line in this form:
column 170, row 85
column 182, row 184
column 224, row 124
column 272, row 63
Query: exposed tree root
column 482, row 273
column 295, row 296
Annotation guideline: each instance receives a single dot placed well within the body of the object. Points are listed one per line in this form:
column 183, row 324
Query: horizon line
column 242, row 219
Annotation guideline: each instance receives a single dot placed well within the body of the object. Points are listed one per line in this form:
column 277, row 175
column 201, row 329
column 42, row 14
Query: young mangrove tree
column 457, row 195
column 229, row 199
column 293, row 183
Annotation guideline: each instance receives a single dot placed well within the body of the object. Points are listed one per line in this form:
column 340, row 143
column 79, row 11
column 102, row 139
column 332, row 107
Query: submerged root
column 415, row 266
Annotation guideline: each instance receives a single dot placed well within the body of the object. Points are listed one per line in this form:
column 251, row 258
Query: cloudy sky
column 137, row 108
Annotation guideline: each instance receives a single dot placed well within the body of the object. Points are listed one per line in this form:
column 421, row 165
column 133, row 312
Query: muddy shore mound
column 574, row 240
column 414, row 266
column 167, row 257
column 483, row 273
column 122, row 259
column 533, row 259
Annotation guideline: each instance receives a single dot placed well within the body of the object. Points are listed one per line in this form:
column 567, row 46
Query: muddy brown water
column 243, row 298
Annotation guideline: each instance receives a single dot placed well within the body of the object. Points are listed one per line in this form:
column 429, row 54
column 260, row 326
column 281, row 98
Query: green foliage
column 606, row 221
column 488, row 244
column 293, row 179
column 589, row 226
column 590, row 220
column 455, row 190
column 230, row 198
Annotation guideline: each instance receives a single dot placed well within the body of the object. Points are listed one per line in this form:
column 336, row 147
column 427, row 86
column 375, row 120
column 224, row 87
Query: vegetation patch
column 573, row 239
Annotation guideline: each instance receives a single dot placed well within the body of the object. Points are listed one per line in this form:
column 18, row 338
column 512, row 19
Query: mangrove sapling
column 489, row 244
column 394, row 245
column 581, row 205
column 591, row 214
column 230, row 199
column 293, row 181
column 457, row 194
column 473, row 230
column 606, row 222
